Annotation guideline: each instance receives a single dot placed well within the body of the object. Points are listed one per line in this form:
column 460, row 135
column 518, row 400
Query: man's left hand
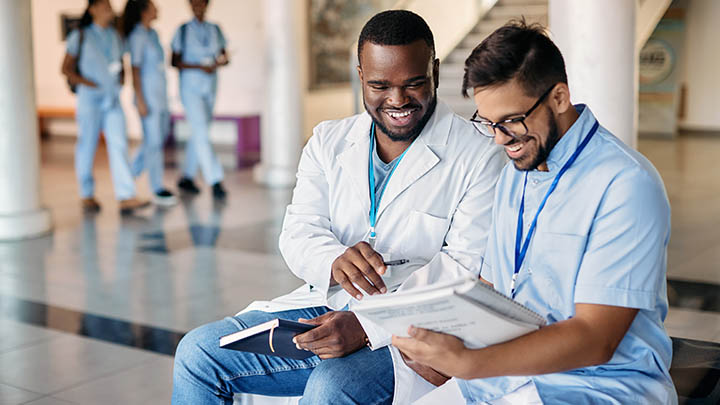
column 439, row 351
column 338, row 334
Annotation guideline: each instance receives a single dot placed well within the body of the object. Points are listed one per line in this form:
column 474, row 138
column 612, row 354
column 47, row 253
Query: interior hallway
column 92, row 313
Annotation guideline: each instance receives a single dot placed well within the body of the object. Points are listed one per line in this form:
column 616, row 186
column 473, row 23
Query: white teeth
column 399, row 114
column 514, row 148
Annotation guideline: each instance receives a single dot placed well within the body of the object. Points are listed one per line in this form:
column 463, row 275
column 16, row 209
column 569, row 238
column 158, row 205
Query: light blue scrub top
column 601, row 239
column 146, row 53
column 202, row 45
column 100, row 62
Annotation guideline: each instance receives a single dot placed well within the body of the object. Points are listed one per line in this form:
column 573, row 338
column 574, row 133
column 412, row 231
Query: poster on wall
column 659, row 76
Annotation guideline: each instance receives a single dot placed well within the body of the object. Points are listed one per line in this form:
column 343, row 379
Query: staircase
column 452, row 68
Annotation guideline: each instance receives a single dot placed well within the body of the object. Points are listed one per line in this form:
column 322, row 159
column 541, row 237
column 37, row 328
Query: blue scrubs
column 146, row 53
column 201, row 44
column 98, row 108
column 601, row 239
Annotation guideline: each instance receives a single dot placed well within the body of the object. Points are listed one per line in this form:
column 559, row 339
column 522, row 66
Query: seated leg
column 364, row 377
column 205, row 373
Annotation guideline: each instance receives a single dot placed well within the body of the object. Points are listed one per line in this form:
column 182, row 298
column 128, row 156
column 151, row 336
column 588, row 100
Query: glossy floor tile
column 143, row 280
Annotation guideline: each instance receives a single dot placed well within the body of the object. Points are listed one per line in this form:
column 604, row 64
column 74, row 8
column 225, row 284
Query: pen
column 396, row 262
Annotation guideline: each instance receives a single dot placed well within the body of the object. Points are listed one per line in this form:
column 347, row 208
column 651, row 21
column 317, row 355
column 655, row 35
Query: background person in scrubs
column 148, row 71
column 198, row 50
column 98, row 54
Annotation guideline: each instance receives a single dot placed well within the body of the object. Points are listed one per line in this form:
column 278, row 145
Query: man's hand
column 438, row 351
column 362, row 266
column 142, row 107
column 339, row 333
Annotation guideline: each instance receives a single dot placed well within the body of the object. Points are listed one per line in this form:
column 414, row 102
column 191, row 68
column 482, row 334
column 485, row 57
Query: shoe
column 131, row 204
column 186, row 185
column 218, row 191
column 90, row 205
column 164, row 198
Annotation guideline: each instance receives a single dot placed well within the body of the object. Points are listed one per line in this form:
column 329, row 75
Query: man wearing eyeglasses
column 580, row 229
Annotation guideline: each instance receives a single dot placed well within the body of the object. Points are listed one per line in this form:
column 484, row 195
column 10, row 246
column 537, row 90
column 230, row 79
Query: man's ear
column 560, row 98
column 360, row 74
column 436, row 72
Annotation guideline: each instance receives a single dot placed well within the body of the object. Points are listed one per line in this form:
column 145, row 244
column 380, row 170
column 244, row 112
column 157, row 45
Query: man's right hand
column 360, row 266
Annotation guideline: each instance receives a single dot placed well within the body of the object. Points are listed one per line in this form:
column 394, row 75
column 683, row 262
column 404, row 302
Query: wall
column 702, row 59
column 240, row 92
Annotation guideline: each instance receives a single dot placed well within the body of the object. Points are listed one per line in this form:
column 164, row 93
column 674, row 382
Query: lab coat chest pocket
column 553, row 270
column 424, row 235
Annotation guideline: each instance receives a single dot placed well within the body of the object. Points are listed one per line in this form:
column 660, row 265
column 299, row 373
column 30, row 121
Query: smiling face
column 399, row 87
column 509, row 100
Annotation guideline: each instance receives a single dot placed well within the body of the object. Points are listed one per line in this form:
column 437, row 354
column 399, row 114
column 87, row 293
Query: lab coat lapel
column 420, row 158
column 354, row 159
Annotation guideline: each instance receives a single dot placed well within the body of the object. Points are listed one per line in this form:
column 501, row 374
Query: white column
column 21, row 215
column 597, row 39
column 281, row 121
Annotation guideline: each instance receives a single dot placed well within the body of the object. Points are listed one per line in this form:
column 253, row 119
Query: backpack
column 73, row 87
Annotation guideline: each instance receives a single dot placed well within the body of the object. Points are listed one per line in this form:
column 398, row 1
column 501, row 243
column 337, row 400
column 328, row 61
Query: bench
column 695, row 372
column 47, row 113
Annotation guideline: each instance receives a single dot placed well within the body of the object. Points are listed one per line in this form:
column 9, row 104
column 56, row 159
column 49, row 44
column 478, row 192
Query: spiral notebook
column 469, row 309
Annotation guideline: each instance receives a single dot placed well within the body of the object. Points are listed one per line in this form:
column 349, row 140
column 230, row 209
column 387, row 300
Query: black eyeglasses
column 514, row 127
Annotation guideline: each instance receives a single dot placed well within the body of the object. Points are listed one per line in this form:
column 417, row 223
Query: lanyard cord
column 371, row 181
column 520, row 251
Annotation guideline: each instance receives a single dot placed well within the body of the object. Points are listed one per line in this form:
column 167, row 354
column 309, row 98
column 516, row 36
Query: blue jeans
column 206, row 374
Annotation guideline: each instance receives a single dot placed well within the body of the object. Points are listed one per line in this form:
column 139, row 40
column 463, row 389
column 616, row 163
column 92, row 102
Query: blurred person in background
column 198, row 49
column 148, row 73
column 94, row 69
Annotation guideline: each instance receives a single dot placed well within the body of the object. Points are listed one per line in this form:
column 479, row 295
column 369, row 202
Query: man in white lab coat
column 407, row 180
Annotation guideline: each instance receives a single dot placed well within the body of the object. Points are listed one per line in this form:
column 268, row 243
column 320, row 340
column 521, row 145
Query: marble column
column 597, row 39
column 21, row 213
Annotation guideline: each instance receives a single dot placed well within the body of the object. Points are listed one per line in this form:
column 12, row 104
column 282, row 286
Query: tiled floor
column 143, row 280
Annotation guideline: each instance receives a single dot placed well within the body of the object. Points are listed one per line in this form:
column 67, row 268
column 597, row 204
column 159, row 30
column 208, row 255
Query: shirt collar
column 567, row 145
column 98, row 28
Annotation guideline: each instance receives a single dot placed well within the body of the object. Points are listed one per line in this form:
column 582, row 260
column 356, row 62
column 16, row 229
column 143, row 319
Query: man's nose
column 398, row 97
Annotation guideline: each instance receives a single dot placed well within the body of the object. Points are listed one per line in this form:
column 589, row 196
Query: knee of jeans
column 194, row 347
column 328, row 384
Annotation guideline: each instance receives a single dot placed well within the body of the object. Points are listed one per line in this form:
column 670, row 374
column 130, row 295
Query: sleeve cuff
column 320, row 281
column 377, row 336
column 592, row 294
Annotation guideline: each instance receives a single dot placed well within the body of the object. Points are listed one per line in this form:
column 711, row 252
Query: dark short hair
column 396, row 27
column 515, row 51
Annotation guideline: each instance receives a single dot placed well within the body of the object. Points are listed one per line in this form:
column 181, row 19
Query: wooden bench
column 47, row 113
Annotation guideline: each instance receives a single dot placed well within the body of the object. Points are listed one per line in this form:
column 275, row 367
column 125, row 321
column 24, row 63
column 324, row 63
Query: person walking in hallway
column 198, row 50
column 148, row 72
column 93, row 66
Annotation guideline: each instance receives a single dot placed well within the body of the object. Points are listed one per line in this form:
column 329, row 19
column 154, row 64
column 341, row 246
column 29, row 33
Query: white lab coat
column 436, row 209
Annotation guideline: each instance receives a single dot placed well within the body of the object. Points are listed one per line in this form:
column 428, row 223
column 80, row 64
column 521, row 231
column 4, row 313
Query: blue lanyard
column 521, row 251
column 371, row 180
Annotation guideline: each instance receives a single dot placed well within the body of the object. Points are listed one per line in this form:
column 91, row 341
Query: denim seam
column 271, row 371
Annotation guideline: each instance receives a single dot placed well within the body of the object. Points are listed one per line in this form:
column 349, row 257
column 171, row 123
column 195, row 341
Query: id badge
column 207, row 61
column 114, row 68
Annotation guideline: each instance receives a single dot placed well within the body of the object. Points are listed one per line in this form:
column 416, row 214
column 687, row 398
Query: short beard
column 414, row 131
column 543, row 151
